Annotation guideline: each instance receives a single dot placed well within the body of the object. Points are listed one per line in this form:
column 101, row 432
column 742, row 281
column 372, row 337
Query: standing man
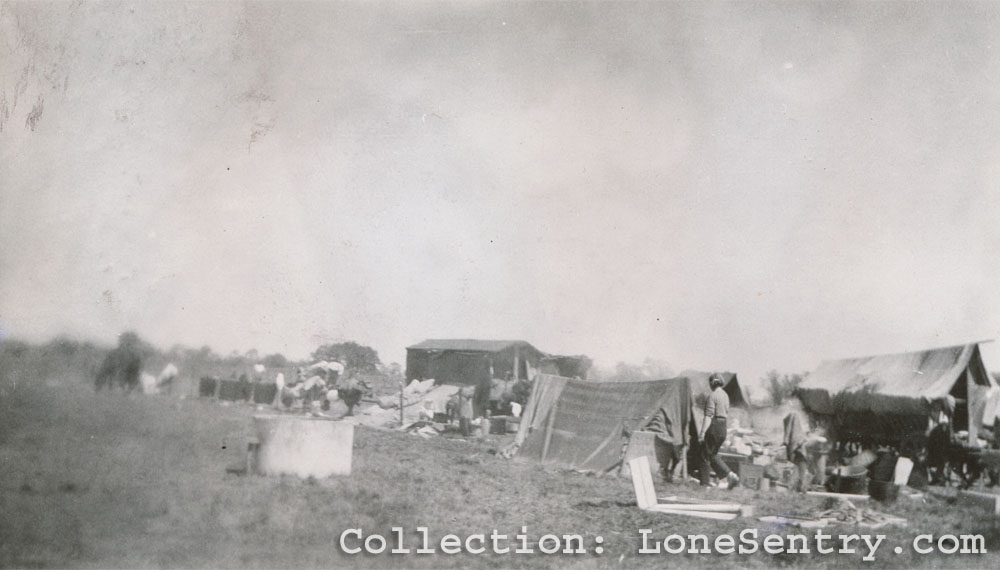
column 713, row 433
column 939, row 440
column 806, row 450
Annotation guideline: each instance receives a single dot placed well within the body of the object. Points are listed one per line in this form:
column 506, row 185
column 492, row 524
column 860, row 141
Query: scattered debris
column 848, row 512
column 845, row 512
column 510, row 451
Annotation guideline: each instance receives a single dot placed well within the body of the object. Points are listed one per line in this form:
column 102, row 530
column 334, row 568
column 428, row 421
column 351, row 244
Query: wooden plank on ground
column 849, row 496
column 645, row 497
column 690, row 500
column 714, row 508
column 665, row 509
column 642, row 482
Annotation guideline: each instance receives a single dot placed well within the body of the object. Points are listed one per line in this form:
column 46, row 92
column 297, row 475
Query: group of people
column 803, row 447
column 947, row 455
column 807, row 449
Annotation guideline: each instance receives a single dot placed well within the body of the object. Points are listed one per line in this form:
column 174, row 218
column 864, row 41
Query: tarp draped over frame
column 580, row 425
column 902, row 384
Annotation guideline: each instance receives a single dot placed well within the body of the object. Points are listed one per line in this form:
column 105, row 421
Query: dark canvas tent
column 470, row 362
column 579, row 425
column 701, row 389
column 890, row 396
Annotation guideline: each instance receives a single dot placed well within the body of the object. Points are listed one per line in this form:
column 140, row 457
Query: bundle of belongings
column 744, row 441
column 423, row 403
column 320, row 384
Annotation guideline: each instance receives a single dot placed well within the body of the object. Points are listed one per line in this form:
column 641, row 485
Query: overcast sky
column 719, row 185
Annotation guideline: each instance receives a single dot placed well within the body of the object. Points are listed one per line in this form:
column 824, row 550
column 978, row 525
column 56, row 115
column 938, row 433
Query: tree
column 351, row 354
column 275, row 360
column 657, row 369
column 394, row 370
column 14, row 348
column 625, row 372
column 62, row 347
column 650, row 369
column 780, row 387
column 205, row 354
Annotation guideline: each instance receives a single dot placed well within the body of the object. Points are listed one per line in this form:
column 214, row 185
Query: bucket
column 885, row 491
column 848, row 479
column 884, row 466
column 304, row 446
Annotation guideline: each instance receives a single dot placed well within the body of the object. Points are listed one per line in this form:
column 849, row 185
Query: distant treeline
column 67, row 360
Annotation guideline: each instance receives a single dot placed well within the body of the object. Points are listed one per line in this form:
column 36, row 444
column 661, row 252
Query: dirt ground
column 112, row 481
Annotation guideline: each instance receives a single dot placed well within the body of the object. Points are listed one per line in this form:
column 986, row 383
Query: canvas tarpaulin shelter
column 580, row 425
column 904, row 384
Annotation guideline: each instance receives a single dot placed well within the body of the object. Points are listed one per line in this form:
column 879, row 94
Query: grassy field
column 108, row 481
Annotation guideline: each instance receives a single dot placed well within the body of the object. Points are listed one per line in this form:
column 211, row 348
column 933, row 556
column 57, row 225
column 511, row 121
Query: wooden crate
column 234, row 390
column 207, row 387
column 734, row 460
column 498, row 425
column 264, row 393
column 750, row 475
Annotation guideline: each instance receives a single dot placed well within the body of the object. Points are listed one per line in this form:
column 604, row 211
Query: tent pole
column 517, row 363
column 684, row 465
column 548, row 432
